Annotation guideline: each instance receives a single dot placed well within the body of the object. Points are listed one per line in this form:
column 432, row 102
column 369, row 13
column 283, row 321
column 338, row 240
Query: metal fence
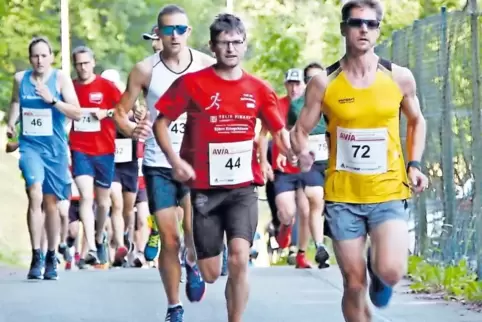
column 443, row 52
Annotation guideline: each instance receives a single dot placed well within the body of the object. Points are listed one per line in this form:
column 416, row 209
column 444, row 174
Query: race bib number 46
column 176, row 130
column 123, row 150
column 319, row 147
column 87, row 123
column 230, row 163
column 37, row 122
column 362, row 151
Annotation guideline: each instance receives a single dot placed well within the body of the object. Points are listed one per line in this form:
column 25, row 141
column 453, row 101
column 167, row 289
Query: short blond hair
column 372, row 4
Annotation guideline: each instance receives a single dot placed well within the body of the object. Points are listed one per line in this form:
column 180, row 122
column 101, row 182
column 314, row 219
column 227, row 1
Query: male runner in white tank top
column 153, row 76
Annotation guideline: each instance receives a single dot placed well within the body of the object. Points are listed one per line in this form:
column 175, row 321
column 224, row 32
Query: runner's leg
column 303, row 228
column 116, row 212
column 64, row 206
column 31, row 165
column 285, row 186
column 84, row 172
column 104, row 173
column 349, row 230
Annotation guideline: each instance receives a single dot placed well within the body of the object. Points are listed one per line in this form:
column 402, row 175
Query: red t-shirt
column 220, row 129
column 284, row 106
column 86, row 135
column 140, row 155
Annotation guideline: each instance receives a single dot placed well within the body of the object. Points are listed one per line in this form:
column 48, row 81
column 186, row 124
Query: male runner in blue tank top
column 43, row 97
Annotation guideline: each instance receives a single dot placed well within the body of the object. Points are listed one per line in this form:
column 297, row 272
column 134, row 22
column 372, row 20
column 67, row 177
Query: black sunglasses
column 358, row 23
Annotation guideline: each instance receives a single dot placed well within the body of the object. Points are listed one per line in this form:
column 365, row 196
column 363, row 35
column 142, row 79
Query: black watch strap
column 414, row 164
column 54, row 101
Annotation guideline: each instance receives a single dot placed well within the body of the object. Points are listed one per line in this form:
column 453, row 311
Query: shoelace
column 153, row 241
column 174, row 315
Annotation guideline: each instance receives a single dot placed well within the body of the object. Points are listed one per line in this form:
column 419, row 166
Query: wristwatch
column 54, row 101
column 414, row 164
column 110, row 113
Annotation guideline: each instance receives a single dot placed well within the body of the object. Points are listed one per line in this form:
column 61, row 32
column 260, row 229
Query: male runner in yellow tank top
column 366, row 185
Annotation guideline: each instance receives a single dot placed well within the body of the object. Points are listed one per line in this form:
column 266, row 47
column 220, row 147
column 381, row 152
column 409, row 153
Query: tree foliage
column 281, row 33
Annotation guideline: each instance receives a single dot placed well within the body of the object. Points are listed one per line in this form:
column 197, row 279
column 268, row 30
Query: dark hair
column 226, row 22
column 81, row 50
column 38, row 40
column 167, row 10
column 372, row 4
column 310, row 66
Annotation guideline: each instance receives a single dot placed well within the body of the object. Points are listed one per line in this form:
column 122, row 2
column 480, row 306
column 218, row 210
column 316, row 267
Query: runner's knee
column 238, row 256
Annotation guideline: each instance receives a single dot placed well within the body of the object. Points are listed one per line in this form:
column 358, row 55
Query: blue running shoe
column 51, row 262
column 175, row 314
column 195, row 285
column 152, row 247
column 380, row 294
column 224, row 268
column 36, row 266
column 101, row 253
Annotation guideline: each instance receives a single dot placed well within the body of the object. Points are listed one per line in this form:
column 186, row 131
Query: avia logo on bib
column 220, row 151
column 347, row 136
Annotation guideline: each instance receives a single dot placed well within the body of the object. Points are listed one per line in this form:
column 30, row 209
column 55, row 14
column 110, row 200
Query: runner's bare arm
column 263, row 145
column 70, row 106
column 135, row 83
column 14, row 111
column 310, row 114
column 416, row 127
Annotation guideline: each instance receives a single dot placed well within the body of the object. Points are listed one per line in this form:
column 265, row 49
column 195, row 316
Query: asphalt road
column 277, row 294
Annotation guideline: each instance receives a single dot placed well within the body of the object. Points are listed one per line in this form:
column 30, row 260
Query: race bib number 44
column 87, row 123
column 37, row 122
column 319, row 147
column 123, row 150
column 362, row 151
column 176, row 130
column 230, row 163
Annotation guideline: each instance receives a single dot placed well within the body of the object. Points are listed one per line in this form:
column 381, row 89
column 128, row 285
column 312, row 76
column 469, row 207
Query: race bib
column 362, row 151
column 37, row 122
column 230, row 163
column 139, row 163
column 87, row 123
column 123, row 150
column 319, row 147
column 176, row 129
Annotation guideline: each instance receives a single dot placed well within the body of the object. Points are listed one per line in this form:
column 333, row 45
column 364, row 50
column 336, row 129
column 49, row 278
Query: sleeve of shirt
column 175, row 101
column 269, row 112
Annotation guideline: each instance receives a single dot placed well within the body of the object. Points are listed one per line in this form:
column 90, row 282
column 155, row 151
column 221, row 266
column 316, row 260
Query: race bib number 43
column 37, row 122
column 87, row 123
column 230, row 163
column 362, row 151
column 176, row 130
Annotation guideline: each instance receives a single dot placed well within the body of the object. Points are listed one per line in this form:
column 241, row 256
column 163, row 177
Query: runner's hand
column 139, row 113
column 143, row 128
column 305, row 160
column 11, row 132
column 43, row 91
column 99, row 114
column 281, row 162
column 183, row 171
column 267, row 171
column 418, row 181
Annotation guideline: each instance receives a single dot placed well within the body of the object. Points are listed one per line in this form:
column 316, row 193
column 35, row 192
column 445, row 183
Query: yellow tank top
column 366, row 162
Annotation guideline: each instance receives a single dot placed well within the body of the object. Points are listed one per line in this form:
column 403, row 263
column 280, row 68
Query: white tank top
column 161, row 80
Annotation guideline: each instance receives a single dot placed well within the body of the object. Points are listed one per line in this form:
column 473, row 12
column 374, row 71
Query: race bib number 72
column 362, row 151
column 230, row 163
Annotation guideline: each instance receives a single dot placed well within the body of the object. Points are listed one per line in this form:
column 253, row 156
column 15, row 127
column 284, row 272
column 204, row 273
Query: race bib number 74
column 362, row 151
column 230, row 163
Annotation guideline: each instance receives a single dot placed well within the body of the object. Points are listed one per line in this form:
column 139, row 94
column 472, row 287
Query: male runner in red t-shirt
column 92, row 141
column 218, row 158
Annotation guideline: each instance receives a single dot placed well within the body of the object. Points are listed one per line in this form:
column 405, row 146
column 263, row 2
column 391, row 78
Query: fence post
column 476, row 126
column 420, row 215
column 447, row 138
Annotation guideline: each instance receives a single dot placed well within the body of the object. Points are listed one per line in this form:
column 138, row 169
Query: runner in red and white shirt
column 218, row 158
column 92, row 143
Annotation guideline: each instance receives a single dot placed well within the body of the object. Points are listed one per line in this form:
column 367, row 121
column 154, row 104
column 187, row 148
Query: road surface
column 278, row 294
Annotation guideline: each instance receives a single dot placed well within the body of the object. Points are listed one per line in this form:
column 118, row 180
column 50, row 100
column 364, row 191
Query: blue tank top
column 41, row 124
